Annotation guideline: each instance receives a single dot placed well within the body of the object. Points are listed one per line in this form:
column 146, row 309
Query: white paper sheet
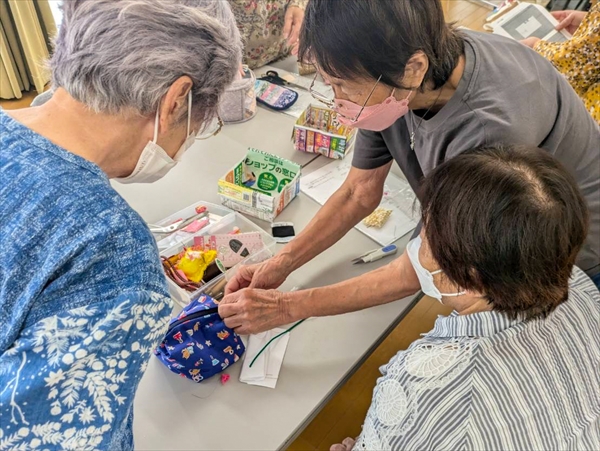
column 265, row 370
column 397, row 196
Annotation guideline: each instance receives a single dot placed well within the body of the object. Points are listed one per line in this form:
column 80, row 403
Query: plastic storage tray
column 217, row 285
column 223, row 225
column 216, row 214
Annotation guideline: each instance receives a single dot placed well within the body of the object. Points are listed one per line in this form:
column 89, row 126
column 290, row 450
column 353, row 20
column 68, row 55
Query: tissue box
column 261, row 185
column 318, row 131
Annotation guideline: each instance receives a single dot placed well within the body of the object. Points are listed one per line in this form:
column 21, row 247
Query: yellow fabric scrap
column 193, row 263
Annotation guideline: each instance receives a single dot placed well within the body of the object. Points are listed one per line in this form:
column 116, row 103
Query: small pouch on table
column 274, row 96
column 198, row 345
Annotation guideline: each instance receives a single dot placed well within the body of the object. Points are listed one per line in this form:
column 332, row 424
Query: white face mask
column 154, row 162
column 425, row 277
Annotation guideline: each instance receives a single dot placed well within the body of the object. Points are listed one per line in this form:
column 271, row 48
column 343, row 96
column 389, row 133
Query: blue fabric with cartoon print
column 198, row 345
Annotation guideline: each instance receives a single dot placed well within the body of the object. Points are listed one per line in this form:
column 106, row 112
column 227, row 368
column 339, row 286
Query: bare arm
column 357, row 198
column 387, row 284
column 359, row 195
column 253, row 311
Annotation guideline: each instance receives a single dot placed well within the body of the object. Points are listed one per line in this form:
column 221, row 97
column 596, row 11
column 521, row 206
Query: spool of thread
column 212, row 271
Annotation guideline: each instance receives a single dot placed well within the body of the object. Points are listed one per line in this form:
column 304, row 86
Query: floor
column 23, row 102
column 343, row 416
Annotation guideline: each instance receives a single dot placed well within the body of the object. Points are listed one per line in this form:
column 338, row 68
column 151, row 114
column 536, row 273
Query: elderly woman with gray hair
column 83, row 299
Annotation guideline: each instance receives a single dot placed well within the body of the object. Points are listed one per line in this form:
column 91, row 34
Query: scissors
column 273, row 76
column 176, row 226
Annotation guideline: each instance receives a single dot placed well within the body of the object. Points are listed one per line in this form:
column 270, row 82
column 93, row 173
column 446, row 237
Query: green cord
column 273, row 339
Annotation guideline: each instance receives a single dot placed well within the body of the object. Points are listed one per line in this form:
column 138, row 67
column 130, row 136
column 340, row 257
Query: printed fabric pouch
column 198, row 345
column 238, row 102
column 274, row 96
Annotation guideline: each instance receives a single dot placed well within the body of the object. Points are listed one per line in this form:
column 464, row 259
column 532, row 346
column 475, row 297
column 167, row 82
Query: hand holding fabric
column 250, row 311
column 268, row 275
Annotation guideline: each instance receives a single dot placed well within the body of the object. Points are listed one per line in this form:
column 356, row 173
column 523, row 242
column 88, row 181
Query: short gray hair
column 114, row 55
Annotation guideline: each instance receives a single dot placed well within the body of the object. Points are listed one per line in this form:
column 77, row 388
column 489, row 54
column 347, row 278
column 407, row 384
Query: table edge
column 294, row 435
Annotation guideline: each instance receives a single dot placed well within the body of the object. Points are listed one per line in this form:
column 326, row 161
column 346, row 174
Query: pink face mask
column 375, row 117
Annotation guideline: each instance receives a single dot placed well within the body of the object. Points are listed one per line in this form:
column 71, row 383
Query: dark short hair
column 506, row 221
column 351, row 39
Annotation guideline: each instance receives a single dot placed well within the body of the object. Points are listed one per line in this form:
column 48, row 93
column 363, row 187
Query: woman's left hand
column 530, row 42
column 291, row 28
column 346, row 445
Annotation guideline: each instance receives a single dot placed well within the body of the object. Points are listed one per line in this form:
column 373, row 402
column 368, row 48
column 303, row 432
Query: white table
column 172, row 413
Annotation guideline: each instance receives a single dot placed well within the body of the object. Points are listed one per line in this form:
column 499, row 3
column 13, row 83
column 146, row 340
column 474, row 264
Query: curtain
column 26, row 30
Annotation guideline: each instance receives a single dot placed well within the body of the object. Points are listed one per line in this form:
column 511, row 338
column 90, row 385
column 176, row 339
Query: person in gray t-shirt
column 498, row 101
column 420, row 92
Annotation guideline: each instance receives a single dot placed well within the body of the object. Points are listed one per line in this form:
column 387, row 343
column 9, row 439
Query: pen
column 376, row 254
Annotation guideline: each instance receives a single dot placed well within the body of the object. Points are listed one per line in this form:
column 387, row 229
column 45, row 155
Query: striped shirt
column 484, row 382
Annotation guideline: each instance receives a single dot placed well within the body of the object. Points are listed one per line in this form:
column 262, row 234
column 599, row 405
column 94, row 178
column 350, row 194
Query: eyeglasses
column 318, row 96
column 212, row 128
column 330, row 103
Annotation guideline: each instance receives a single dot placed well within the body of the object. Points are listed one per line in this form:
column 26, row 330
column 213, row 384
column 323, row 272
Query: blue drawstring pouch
column 198, row 345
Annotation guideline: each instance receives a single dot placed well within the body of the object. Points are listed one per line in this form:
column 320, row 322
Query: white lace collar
column 482, row 324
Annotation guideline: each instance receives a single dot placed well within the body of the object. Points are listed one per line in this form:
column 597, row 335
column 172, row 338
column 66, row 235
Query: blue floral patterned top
column 83, row 300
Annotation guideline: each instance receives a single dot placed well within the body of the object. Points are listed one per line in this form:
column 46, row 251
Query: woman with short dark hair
column 515, row 366
column 421, row 92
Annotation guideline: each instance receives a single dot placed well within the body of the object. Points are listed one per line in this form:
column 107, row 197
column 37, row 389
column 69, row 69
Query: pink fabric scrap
column 196, row 225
